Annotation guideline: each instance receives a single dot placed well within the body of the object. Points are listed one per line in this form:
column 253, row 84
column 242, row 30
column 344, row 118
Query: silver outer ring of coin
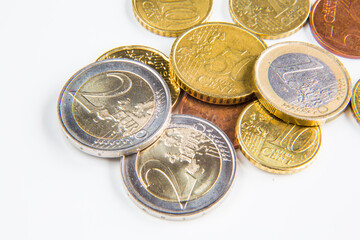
column 127, row 145
column 172, row 210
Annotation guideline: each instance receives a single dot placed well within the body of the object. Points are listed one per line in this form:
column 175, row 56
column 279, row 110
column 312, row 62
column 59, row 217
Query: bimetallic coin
column 273, row 145
column 149, row 56
column 114, row 107
column 355, row 101
column 213, row 62
column 336, row 26
column 224, row 117
column 301, row 83
column 186, row 171
column 171, row 18
column 270, row 19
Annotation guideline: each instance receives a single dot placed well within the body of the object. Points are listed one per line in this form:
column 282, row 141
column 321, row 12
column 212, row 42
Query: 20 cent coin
column 171, row 18
column 270, row 19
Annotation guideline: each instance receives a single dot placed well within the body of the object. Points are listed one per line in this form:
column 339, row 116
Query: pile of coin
column 124, row 105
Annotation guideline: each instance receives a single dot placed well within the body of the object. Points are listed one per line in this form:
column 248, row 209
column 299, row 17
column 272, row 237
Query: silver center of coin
column 302, row 80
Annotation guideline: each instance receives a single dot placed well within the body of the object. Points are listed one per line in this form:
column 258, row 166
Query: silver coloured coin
column 186, row 171
column 302, row 80
column 301, row 83
column 114, row 107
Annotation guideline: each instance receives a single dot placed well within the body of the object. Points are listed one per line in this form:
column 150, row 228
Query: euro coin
column 355, row 101
column 273, row 145
column 171, row 18
column 151, row 57
column 270, row 19
column 188, row 170
column 213, row 62
column 336, row 26
column 302, row 83
column 114, row 107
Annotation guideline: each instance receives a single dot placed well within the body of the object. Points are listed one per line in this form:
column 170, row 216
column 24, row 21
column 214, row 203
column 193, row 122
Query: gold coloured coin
column 171, row 18
column 355, row 101
column 151, row 57
column 270, row 19
column 302, row 83
column 214, row 62
column 273, row 145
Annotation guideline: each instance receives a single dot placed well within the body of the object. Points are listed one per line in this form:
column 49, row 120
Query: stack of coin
column 180, row 165
column 174, row 166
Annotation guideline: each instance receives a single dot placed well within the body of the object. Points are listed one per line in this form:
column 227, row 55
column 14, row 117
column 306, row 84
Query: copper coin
column 223, row 116
column 336, row 26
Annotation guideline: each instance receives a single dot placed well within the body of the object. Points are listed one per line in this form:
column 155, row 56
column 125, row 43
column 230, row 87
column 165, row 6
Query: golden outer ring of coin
column 269, row 168
column 266, row 35
column 170, row 81
column 163, row 31
column 355, row 107
column 273, row 103
column 199, row 93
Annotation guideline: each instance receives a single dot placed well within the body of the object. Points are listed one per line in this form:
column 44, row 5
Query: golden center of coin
column 271, row 19
column 301, row 83
column 151, row 57
column 274, row 145
column 214, row 62
column 355, row 101
column 113, row 105
column 181, row 166
column 171, row 18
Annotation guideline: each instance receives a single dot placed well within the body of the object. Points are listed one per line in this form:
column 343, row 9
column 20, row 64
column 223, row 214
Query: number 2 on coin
column 87, row 99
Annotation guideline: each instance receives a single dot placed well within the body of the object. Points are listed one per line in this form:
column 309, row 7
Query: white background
column 50, row 190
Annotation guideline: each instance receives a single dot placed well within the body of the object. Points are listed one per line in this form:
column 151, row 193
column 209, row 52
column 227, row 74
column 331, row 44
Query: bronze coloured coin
column 151, row 57
column 355, row 101
column 273, row 145
column 336, row 26
column 171, row 18
column 214, row 62
column 223, row 116
column 301, row 83
column 270, row 19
